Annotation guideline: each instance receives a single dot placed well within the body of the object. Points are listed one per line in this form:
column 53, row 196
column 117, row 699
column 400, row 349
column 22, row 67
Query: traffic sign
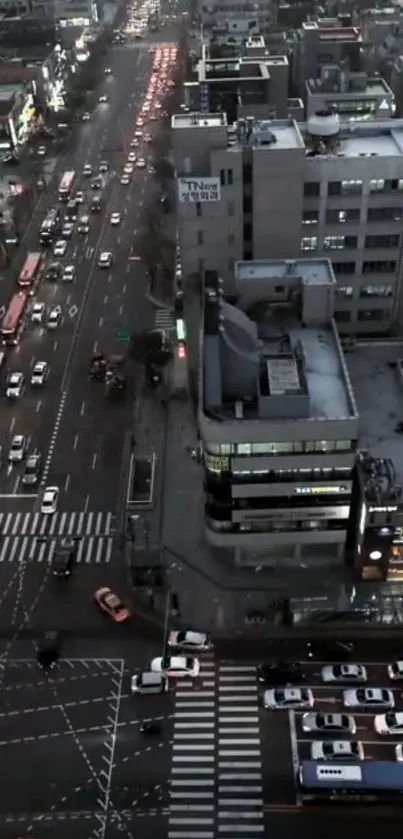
column 123, row 334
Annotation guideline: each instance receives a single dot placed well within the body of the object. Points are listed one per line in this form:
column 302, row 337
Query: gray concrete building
column 324, row 189
column 324, row 42
column 277, row 417
column 354, row 96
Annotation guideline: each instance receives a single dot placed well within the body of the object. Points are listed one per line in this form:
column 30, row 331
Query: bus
column 372, row 781
column 50, row 227
column 66, row 185
column 30, row 271
column 13, row 320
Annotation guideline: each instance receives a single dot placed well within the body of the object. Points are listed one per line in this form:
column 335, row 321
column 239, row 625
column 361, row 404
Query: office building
column 277, row 417
column 275, row 190
column 324, row 42
column 252, row 17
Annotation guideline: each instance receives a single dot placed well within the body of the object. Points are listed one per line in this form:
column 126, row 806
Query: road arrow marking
column 73, row 311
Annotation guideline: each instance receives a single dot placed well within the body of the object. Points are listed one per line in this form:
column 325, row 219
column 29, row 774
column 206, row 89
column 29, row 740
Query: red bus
column 66, row 185
column 13, row 320
column 30, row 271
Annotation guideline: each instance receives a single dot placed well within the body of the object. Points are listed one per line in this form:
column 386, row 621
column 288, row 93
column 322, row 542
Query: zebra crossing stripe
column 94, row 550
column 60, row 524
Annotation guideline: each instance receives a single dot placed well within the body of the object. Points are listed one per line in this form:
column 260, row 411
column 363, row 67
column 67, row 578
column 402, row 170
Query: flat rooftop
column 379, row 138
column 373, row 87
column 197, row 120
column 379, row 397
column 313, row 271
column 285, row 135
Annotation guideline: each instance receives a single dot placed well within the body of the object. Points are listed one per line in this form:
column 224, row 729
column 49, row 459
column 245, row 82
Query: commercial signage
column 199, row 190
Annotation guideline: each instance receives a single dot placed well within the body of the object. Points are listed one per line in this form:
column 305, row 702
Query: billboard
column 198, row 190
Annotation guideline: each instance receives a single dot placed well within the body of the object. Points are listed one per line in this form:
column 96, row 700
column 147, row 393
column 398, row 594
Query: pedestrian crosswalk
column 60, row 524
column 216, row 786
column 26, row 549
column 163, row 319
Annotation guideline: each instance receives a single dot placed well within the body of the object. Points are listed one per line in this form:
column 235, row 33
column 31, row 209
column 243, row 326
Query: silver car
column 368, row 698
column 344, row 673
column 337, row 750
column 329, row 723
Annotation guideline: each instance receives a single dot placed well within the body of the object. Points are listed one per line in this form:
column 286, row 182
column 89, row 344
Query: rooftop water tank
column 324, row 124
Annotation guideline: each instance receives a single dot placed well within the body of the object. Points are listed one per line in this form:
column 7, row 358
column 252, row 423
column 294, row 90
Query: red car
column 112, row 604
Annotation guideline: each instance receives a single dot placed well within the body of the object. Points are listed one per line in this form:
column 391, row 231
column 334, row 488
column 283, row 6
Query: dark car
column 53, row 272
column 329, row 650
column 98, row 366
column 96, row 183
column 72, row 209
column 48, row 650
column 64, row 558
column 281, row 673
column 96, row 204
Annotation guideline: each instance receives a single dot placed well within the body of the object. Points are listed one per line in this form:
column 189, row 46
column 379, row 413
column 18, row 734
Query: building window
column 344, row 267
column 230, row 177
column 334, row 188
column 365, row 315
column 342, row 216
column 222, row 177
column 247, row 204
column 231, row 208
column 344, row 291
column 376, row 291
column 286, row 448
column 351, row 187
column 310, row 217
column 385, row 214
column 341, row 316
column 309, row 243
column 312, row 188
column 377, row 185
column 394, row 185
column 279, row 289
column 381, row 266
column 199, row 237
column 390, row 240
column 231, row 237
column 198, row 209
column 339, row 243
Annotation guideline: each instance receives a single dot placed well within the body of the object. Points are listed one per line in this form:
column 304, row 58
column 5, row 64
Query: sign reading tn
column 198, row 190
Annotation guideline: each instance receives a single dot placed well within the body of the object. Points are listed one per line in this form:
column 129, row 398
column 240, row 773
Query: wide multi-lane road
column 79, row 434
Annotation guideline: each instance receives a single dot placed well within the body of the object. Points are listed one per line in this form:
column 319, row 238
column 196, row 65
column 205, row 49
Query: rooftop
column 375, row 138
column 378, row 388
column 196, row 120
column 313, row 271
column 358, row 84
column 279, row 134
column 9, row 91
column 260, row 361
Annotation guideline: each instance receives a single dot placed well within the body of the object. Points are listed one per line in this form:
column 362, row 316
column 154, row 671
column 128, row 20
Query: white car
column 103, row 167
column 138, row 135
column 107, row 71
column 189, row 640
column 328, row 723
column 134, row 144
column 125, row 180
column 176, row 666
column 15, row 385
column 390, row 723
column 86, row 116
column 131, row 157
column 141, row 164
column 60, row 248
column 50, row 500
column 344, row 673
column 368, row 698
column 42, row 151
column 337, row 750
column 128, row 169
column 284, row 698
column 68, row 274
column 39, row 374
column 116, row 218
column 395, row 671
column 37, row 312
column 54, row 318
column 103, row 99
column 87, row 170
column 79, row 197
column 67, row 230
column 105, row 259
column 18, row 448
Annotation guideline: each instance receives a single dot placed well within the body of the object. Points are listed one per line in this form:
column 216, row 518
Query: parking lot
column 285, row 744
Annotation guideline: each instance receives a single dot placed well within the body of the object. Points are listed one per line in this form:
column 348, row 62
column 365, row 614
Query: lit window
column 377, row 185
column 309, row 243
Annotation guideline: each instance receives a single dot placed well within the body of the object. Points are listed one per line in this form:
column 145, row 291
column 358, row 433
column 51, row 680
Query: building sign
column 199, row 190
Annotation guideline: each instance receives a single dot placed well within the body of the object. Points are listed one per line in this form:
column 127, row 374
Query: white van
column 148, row 682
